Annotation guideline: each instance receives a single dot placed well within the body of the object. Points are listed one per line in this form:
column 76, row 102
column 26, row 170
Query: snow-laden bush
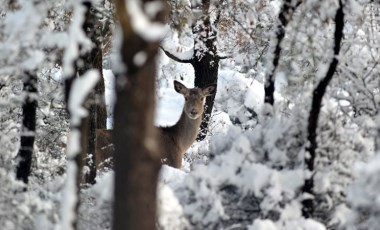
column 34, row 209
column 250, row 175
column 96, row 206
column 341, row 144
column 259, row 173
column 364, row 198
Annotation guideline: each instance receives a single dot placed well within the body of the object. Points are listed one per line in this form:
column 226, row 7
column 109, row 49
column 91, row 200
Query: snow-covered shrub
column 96, row 206
column 250, row 175
column 239, row 97
column 363, row 197
column 341, row 144
column 34, row 209
column 170, row 211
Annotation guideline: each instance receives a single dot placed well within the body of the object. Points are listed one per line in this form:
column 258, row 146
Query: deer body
column 173, row 140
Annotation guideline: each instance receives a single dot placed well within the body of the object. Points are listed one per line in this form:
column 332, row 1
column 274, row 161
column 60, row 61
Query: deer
column 173, row 140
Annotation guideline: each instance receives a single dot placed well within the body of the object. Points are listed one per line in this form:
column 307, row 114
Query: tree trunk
column 318, row 93
column 97, row 112
column 28, row 127
column 206, row 66
column 284, row 17
column 136, row 160
column 206, row 73
column 90, row 160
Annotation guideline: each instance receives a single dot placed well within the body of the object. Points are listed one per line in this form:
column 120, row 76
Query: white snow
column 80, row 89
column 69, row 197
column 142, row 25
column 76, row 38
column 170, row 210
column 262, row 225
column 110, row 95
column 140, row 58
column 169, row 107
column 104, row 187
column 171, row 176
column 174, row 46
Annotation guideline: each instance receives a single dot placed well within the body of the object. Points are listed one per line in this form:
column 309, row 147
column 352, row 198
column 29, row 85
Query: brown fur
column 174, row 140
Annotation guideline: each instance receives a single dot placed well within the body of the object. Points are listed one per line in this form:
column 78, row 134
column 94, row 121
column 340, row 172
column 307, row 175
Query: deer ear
column 209, row 90
column 179, row 87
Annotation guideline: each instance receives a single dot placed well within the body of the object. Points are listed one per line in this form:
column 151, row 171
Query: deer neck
column 187, row 130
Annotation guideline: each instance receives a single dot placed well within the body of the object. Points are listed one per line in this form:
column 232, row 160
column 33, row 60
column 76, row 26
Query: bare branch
column 172, row 56
column 224, row 57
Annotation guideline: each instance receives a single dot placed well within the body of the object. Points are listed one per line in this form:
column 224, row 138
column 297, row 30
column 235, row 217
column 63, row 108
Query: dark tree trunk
column 97, row 112
column 136, row 160
column 90, row 160
column 28, row 127
column 319, row 91
column 284, row 17
column 206, row 65
column 206, row 73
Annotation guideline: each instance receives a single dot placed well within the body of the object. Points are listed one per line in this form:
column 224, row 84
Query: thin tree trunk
column 318, row 93
column 90, row 160
column 28, row 127
column 98, row 116
column 136, row 159
column 284, row 17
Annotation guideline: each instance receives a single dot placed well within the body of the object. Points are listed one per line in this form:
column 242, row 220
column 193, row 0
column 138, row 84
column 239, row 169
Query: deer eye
column 185, row 98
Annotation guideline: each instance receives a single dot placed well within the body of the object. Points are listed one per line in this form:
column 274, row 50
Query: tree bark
column 206, row 68
column 136, row 159
column 318, row 93
column 97, row 112
column 28, row 127
column 284, row 17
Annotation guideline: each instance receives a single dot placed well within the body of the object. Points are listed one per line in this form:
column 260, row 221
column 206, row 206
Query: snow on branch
column 76, row 39
column 174, row 57
column 141, row 21
column 80, row 89
column 174, row 49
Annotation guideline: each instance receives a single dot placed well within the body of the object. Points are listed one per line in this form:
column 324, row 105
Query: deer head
column 194, row 98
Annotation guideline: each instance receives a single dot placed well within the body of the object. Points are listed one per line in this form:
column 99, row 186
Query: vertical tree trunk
column 136, row 159
column 90, row 158
column 97, row 112
column 318, row 93
column 284, row 17
column 28, row 127
column 206, row 67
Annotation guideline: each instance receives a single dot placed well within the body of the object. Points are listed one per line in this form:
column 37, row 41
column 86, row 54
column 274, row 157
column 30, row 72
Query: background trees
column 307, row 160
